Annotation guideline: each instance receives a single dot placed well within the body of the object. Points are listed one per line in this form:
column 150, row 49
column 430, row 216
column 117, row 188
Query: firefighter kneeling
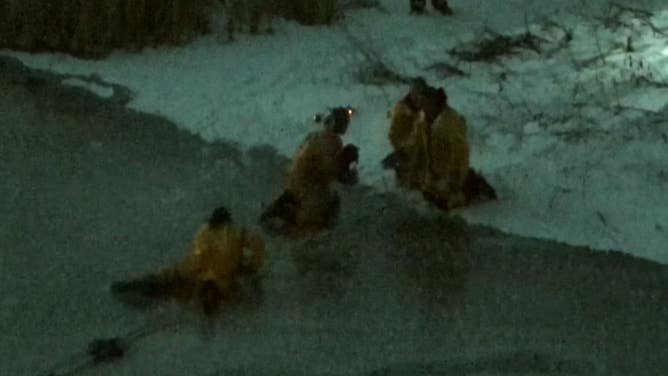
column 309, row 201
column 431, row 150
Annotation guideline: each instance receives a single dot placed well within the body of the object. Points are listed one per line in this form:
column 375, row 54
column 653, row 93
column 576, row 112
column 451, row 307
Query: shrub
column 87, row 28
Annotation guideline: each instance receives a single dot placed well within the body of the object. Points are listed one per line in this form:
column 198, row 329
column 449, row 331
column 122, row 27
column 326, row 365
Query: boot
column 477, row 189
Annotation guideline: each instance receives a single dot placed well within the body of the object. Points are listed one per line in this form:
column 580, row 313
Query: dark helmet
column 419, row 84
column 338, row 119
column 423, row 96
column 220, row 216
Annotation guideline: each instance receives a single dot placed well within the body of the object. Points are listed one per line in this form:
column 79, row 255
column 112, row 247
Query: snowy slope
column 574, row 138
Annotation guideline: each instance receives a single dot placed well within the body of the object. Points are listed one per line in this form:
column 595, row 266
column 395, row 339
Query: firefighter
column 410, row 121
column 446, row 164
column 218, row 257
column 431, row 149
column 309, row 201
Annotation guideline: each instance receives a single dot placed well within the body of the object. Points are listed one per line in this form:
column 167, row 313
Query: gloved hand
column 391, row 161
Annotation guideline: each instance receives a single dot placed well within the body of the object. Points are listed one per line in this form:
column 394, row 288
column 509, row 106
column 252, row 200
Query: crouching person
column 431, row 149
column 310, row 201
column 409, row 119
column 220, row 254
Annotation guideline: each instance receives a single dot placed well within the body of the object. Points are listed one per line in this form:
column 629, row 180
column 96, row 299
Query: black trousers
column 418, row 6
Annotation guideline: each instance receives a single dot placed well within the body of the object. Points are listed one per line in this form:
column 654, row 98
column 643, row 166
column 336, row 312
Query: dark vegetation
column 91, row 29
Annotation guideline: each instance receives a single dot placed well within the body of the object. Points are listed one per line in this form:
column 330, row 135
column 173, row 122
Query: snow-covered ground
column 574, row 137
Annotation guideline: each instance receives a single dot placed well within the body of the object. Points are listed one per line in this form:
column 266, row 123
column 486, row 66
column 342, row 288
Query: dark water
column 93, row 192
